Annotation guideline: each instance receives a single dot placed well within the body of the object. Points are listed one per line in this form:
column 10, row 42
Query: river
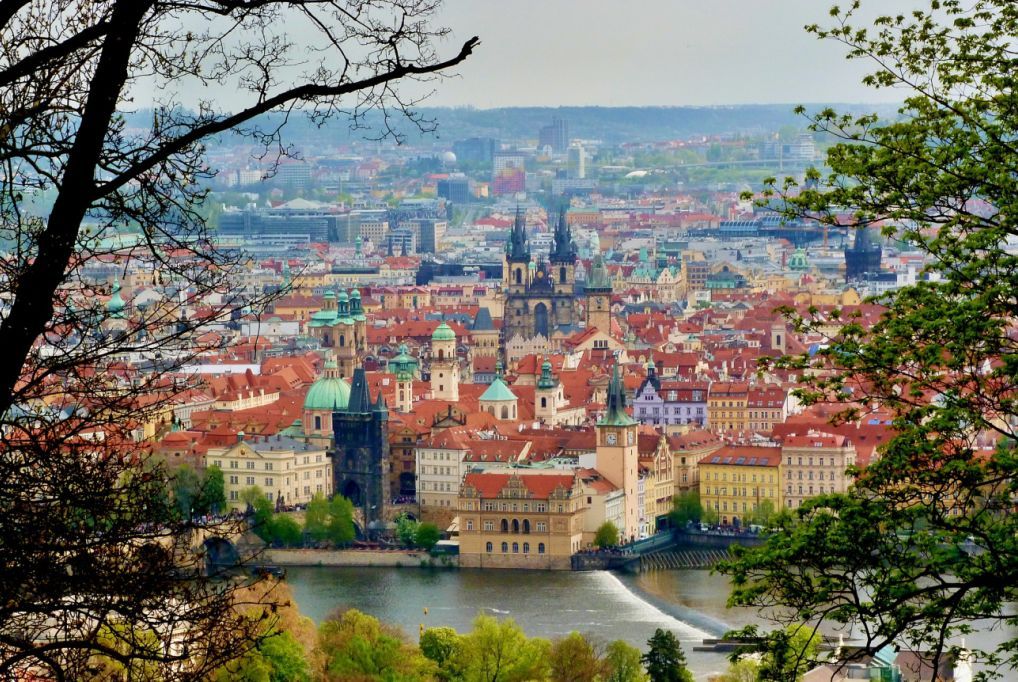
column 546, row 604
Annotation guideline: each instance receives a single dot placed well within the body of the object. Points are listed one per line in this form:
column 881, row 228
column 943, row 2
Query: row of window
column 757, row 492
column 738, row 477
column 820, row 475
column 516, row 527
column 820, row 461
column 250, row 464
column 516, row 548
column 822, row 490
column 235, row 494
column 515, row 506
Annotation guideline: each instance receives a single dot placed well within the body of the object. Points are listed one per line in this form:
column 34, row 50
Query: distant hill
column 610, row 124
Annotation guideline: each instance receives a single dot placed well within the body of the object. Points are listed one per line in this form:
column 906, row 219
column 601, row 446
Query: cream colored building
column 510, row 519
column 290, row 471
column 814, row 464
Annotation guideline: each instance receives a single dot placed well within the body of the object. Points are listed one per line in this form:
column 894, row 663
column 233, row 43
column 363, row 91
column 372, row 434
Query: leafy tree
column 763, row 514
column 665, row 660
column 439, row 645
column 607, row 535
column 186, row 491
column 280, row 658
column 212, row 496
column 746, row 669
column 784, row 655
column 341, row 528
column 710, row 516
column 284, row 530
column 685, row 508
column 406, row 530
column 357, row 646
column 621, row 663
column 105, row 168
column 330, row 519
column 427, row 536
column 573, row 659
column 264, row 513
column 499, row 651
column 892, row 554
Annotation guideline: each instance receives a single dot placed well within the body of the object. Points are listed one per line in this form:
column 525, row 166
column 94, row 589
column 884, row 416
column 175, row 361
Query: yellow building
column 736, row 480
column 288, row 471
column 726, row 406
column 520, row 520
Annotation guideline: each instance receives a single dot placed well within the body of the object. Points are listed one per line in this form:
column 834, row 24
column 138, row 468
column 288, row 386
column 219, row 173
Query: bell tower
column 445, row 368
column 617, row 454
column 599, row 294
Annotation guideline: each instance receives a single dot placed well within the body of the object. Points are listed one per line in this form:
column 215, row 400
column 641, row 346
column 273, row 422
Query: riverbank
column 701, row 621
column 355, row 558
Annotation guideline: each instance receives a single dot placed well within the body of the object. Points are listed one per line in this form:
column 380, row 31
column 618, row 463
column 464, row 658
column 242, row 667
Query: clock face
column 610, row 439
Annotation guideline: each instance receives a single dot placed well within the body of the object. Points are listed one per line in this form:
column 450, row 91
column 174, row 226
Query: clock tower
column 617, row 454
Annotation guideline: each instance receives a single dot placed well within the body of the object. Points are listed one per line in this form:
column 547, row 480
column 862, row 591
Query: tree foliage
column 427, row 536
column 665, row 661
column 685, row 508
column 93, row 188
column 621, row 663
column 573, row 659
column 892, row 556
column 499, row 651
column 607, row 535
column 330, row 520
column 357, row 646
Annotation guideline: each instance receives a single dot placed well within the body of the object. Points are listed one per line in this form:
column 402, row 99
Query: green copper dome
column 328, row 393
column 404, row 365
column 498, row 392
column 443, row 332
column 799, row 260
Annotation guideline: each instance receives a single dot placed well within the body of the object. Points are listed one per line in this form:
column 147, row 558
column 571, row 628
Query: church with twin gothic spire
column 540, row 297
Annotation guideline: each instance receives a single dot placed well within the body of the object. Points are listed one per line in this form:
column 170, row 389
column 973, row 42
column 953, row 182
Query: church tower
column 445, row 368
column 404, row 366
column 599, row 296
column 344, row 337
column 617, row 454
column 563, row 257
column 517, row 257
column 547, row 395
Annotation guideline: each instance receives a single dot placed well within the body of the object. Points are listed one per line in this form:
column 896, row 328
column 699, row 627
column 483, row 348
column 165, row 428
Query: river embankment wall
column 353, row 557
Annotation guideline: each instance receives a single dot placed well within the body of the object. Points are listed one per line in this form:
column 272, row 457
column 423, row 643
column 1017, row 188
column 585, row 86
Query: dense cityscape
column 558, row 393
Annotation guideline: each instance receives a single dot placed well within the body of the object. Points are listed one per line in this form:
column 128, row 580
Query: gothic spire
column 360, row 398
column 518, row 250
column 563, row 249
column 615, row 409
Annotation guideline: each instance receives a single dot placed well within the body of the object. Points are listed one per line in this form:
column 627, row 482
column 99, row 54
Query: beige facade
column 286, row 470
column 520, row 520
column 814, row 464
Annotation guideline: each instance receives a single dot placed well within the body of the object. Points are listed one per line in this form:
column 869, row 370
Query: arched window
column 519, row 276
column 505, row 412
column 544, row 402
column 488, row 547
column 562, row 274
column 441, row 353
column 516, row 548
column 505, row 526
column 526, row 526
column 526, row 548
column 342, row 340
column 516, row 526
column 505, row 547
column 540, row 548
column 318, row 423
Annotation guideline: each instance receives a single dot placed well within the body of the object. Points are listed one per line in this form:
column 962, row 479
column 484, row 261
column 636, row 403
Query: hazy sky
column 645, row 52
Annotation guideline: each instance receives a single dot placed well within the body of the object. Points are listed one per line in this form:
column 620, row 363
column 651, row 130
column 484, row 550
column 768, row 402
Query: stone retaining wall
column 352, row 557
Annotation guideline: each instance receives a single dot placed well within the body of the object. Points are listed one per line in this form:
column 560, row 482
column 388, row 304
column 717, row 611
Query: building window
column 470, row 524
column 233, row 480
column 268, row 481
column 234, row 495
column 488, row 547
column 516, row 548
column 505, row 548
column 526, row 526
column 526, row 548
column 540, row 548
column 234, row 465
column 250, row 480
column 490, row 525
column 505, row 526
column 250, row 465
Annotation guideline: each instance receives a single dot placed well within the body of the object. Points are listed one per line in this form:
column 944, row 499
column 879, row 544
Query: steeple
column 615, row 412
column 563, row 251
column 517, row 249
column 360, row 398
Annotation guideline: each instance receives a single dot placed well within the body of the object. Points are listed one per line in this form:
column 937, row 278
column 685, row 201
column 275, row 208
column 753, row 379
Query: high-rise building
column 555, row 135
column 455, row 188
column 577, row 162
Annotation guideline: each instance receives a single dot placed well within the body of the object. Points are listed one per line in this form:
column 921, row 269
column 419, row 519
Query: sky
column 649, row 52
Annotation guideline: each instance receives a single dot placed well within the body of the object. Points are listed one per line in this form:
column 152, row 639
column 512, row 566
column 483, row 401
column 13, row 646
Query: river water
column 600, row 604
